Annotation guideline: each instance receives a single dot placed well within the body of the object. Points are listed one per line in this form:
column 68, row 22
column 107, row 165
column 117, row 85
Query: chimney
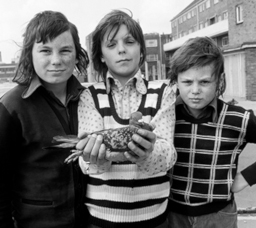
column 0, row 57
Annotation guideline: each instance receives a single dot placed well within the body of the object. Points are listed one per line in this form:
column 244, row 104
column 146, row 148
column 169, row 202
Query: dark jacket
column 37, row 188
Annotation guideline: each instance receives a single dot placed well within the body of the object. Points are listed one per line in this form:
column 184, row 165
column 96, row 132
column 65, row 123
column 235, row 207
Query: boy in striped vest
column 209, row 136
column 131, row 188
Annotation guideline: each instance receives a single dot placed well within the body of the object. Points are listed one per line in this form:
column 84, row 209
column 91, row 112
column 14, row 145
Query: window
column 225, row 41
column 201, row 8
column 239, row 14
column 152, row 58
column 215, row 1
column 182, row 33
column 151, row 43
column 225, row 15
column 212, row 21
column 192, row 13
column 208, row 4
column 189, row 15
column 168, row 56
column 201, row 25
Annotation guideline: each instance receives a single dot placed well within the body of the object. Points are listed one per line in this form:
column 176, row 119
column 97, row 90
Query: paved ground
column 245, row 199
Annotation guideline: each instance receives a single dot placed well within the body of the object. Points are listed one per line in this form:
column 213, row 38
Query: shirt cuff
column 162, row 158
column 89, row 169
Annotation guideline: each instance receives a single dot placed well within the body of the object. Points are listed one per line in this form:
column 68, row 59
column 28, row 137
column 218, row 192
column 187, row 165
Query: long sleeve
column 7, row 143
column 164, row 154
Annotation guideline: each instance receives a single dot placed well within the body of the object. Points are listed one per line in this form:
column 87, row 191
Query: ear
column 221, row 85
column 102, row 60
column 76, row 61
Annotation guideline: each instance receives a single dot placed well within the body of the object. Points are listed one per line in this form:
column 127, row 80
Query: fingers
column 142, row 145
column 82, row 143
column 83, row 135
column 144, row 140
column 102, row 155
column 146, row 134
column 94, row 150
column 91, row 149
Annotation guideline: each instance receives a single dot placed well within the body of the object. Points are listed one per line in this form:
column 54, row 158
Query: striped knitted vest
column 124, row 196
column 149, row 105
column 207, row 159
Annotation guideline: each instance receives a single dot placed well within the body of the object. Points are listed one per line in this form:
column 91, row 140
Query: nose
column 56, row 59
column 196, row 88
column 121, row 48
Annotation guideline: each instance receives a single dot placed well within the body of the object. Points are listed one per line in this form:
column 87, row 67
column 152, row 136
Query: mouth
column 56, row 71
column 123, row 60
column 195, row 100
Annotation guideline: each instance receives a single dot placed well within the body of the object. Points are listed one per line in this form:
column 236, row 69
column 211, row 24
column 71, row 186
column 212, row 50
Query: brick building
column 155, row 64
column 231, row 23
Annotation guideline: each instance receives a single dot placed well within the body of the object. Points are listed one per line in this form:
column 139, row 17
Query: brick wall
column 244, row 32
column 250, row 68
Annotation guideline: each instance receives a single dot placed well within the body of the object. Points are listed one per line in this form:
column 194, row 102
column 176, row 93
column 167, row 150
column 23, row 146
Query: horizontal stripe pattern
column 124, row 216
column 125, row 196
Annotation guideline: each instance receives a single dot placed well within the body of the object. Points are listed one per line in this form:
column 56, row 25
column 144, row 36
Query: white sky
column 154, row 16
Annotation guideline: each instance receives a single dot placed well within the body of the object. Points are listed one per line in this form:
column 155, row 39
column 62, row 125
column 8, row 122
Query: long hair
column 44, row 27
column 112, row 22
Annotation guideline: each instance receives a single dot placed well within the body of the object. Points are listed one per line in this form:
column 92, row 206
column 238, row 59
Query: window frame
column 239, row 14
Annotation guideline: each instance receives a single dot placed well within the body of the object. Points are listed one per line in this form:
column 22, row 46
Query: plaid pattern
column 207, row 158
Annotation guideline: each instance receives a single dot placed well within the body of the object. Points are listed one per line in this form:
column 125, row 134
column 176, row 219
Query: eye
column 205, row 82
column 66, row 51
column 46, row 51
column 111, row 45
column 130, row 41
column 187, row 82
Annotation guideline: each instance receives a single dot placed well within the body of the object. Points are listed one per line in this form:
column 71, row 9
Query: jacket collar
column 74, row 87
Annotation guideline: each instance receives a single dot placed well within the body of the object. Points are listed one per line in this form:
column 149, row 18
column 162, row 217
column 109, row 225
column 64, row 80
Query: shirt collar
column 33, row 86
column 136, row 81
column 74, row 87
column 210, row 108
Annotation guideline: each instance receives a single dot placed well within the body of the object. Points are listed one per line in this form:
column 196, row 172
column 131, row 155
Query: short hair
column 44, row 27
column 112, row 22
column 199, row 52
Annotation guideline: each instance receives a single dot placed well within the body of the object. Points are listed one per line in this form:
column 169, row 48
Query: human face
column 121, row 54
column 197, row 87
column 55, row 60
